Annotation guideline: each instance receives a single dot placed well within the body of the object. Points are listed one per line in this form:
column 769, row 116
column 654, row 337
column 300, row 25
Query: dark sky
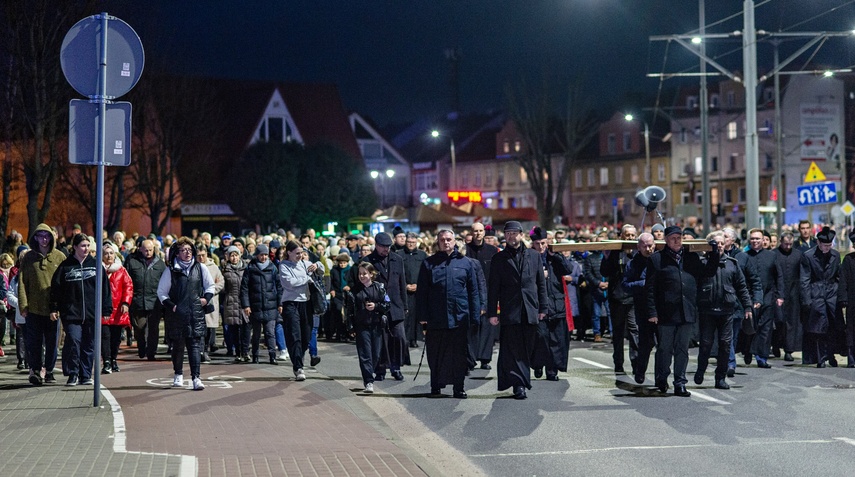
column 387, row 57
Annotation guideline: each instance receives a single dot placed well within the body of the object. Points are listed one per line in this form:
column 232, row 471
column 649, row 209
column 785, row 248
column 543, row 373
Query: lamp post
column 390, row 173
column 647, row 171
column 452, row 181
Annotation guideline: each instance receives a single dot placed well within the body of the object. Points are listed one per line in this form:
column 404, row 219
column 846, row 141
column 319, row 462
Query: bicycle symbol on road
column 222, row 382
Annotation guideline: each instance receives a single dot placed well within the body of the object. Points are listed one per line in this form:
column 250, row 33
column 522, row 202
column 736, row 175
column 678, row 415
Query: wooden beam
column 690, row 245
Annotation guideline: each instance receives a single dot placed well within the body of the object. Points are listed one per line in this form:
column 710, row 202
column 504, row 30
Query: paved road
column 255, row 420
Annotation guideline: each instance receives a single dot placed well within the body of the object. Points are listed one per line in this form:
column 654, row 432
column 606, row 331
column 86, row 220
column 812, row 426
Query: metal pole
column 453, row 180
column 779, row 134
column 752, row 149
column 647, row 154
column 99, row 214
column 705, row 174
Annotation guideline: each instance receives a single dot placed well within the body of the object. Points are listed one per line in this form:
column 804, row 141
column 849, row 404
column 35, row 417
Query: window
column 732, row 165
column 592, row 208
column 728, row 196
column 627, row 141
column 714, row 164
column 731, row 99
column 682, row 135
column 604, row 176
column 262, row 131
column 684, row 167
column 580, row 208
column 464, row 178
column 500, row 178
column 769, row 164
column 512, row 203
column 591, row 181
column 577, row 178
column 517, row 145
column 691, row 102
column 697, row 132
column 633, row 174
column 660, row 172
column 731, row 130
column 714, row 101
column 426, row 181
column 506, row 147
column 699, row 165
column 611, row 145
column 478, row 178
column 523, row 176
column 488, row 178
column 619, row 175
column 274, row 129
column 742, row 194
column 684, row 197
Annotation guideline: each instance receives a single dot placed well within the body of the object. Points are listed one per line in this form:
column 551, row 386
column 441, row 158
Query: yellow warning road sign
column 814, row 174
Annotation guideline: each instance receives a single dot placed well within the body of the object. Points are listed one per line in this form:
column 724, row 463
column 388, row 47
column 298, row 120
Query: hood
column 34, row 245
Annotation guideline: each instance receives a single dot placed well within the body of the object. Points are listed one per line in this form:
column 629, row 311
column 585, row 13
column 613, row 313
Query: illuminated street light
column 453, row 179
column 390, row 173
column 648, row 173
column 375, row 174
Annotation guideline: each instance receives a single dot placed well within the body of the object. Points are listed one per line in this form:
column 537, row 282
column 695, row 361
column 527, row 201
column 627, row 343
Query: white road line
column 189, row 464
column 709, row 398
column 687, row 446
column 592, row 363
column 847, row 440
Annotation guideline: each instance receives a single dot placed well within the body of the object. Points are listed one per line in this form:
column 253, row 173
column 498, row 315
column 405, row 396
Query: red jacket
column 122, row 289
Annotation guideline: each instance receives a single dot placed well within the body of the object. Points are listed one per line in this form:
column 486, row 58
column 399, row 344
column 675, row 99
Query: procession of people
column 458, row 294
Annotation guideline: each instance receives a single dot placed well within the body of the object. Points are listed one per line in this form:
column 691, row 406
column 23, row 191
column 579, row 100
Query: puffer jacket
column 72, row 290
column 232, row 311
column 260, row 291
column 145, row 277
column 185, row 315
column 122, row 289
column 724, row 292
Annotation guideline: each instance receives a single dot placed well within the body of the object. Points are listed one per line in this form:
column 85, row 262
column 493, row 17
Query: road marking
column 847, row 440
column 592, row 363
column 685, row 446
column 189, row 464
column 709, row 398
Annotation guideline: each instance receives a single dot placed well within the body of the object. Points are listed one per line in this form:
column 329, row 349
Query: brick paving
column 254, row 421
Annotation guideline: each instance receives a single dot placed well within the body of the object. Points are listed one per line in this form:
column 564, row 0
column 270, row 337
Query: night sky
column 387, row 57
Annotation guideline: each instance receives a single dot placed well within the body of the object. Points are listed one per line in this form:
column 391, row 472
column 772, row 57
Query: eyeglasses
column 185, row 250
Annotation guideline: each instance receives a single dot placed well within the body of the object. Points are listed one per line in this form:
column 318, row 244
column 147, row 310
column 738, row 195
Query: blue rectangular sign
column 818, row 193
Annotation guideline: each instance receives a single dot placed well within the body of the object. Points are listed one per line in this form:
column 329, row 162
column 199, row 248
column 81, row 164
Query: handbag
column 317, row 296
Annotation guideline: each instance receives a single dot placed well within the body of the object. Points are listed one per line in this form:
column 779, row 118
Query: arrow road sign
column 818, row 193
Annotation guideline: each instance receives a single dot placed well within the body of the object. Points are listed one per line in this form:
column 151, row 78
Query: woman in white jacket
column 295, row 283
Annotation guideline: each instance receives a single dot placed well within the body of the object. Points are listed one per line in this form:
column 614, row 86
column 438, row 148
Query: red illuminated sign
column 468, row 195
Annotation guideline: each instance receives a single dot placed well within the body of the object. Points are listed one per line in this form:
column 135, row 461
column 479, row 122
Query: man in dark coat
column 752, row 280
column 516, row 283
column 789, row 332
column 399, row 239
column 597, row 286
column 819, row 279
column 413, row 258
column 145, row 269
column 390, row 272
column 634, row 279
column 846, row 294
column 771, row 280
column 620, row 303
column 553, row 339
column 484, row 336
column 805, row 242
column 448, row 303
column 672, row 287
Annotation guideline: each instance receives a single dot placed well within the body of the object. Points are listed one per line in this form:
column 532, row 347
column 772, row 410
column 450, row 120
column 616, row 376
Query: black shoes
column 788, row 357
column 380, row 377
column 106, row 368
column 519, row 392
column 255, row 360
column 72, row 380
column 486, row 366
column 49, row 378
column 680, row 390
column 722, row 384
column 314, row 360
column 414, row 344
column 398, row 375
column 747, row 358
column 538, row 373
column 551, row 377
column 731, row 372
column 205, row 358
column 662, row 387
column 35, row 380
column 460, row 394
column 763, row 364
column 115, row 367
column 821, row 364
column 619, row 370
column 436, row 392
column 699, row 377
column 273, row 361
column 639, row 378
column 832, row 362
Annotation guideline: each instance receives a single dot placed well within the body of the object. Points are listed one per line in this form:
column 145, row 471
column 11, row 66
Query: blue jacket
column 447, row 295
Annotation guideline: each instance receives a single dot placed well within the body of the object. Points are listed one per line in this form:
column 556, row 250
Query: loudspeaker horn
column 650, row 197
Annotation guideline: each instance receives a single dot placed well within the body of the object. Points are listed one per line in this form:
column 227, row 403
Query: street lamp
column 390, row 173
column 453, row 179
column 647, row 171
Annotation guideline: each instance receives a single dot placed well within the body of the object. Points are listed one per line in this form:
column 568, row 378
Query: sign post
column 88, row 64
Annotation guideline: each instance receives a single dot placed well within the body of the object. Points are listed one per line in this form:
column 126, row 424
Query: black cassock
column 483, row 338
column 552, row 344
column 517, row 286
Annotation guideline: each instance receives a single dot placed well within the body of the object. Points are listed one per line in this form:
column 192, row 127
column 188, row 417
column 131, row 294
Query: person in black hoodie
column 72, row 300
column 370, row 310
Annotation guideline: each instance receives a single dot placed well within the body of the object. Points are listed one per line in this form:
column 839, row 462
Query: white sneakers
column 369, row 388
column 283, row 355
column 178, row 381
column 197, row 384
column 301, row 376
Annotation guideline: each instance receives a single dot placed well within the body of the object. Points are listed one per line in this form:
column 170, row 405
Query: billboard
column 821, row 133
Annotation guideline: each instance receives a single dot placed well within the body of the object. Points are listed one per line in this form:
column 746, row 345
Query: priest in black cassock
column 553, row 338
column 448, row 304
column 517, row 286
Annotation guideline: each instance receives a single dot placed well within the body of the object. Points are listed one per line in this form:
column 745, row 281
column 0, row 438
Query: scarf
column 184, row 266
column 677, row 256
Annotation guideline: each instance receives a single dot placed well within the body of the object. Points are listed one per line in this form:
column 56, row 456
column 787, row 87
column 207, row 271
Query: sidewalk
column 250, row 420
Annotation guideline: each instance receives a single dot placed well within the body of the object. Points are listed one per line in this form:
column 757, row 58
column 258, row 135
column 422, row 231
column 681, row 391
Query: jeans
column 313, row 342
column 228, row 340
column 194, row 354
column 41, row 334
column 79, row 348
column 369, row 341
column 281, row 344
column 600, row 306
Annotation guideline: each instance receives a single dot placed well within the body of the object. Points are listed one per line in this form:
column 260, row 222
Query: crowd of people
column 458, row 293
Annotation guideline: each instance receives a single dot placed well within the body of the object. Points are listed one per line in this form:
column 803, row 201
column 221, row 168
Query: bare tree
column 552, row 143
column 34, row 31
column 174, row 120
column 79, row 185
